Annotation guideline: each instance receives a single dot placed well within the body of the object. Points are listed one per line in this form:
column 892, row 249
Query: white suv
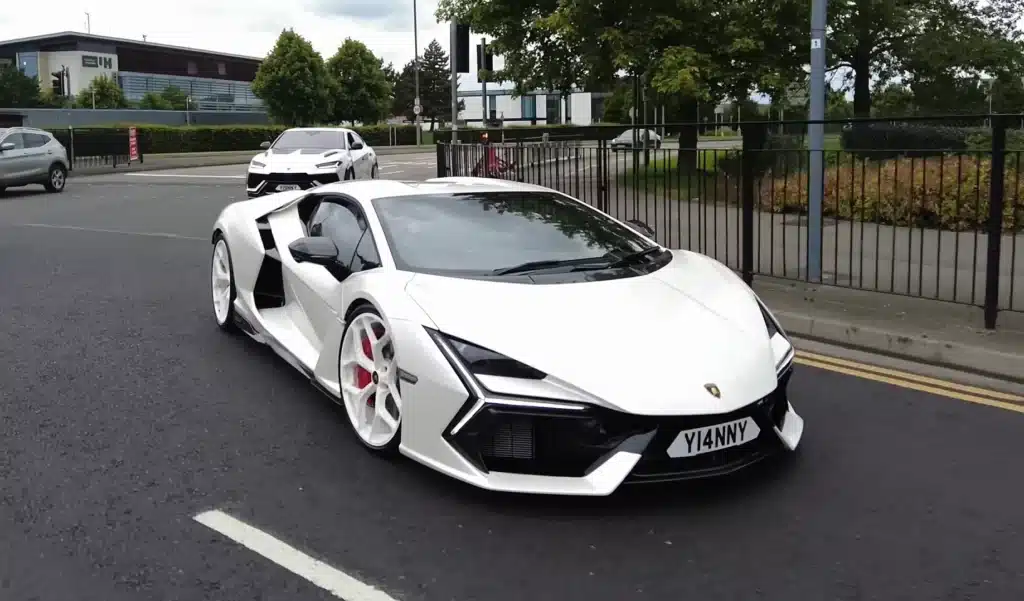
column 32, row 156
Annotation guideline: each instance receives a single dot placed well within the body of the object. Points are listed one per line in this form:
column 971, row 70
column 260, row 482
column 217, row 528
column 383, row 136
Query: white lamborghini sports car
column 306, row 157
column 508, row 335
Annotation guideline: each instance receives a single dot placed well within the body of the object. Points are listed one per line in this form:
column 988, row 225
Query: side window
column 366, row 256
column 339, row 223
column 16, row 139
column 35, row 140
column 348, row 229
column 357, row 139
column 351, row 139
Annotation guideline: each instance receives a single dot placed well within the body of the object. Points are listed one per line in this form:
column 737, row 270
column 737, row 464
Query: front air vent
column 266, row 236
column 269, row 289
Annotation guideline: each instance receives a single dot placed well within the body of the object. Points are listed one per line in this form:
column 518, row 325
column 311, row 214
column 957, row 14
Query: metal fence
column 95, row 147
column 925, row 207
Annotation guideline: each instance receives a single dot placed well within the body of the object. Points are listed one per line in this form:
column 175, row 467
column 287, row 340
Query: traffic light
column 485, row 63
column 58, row 83
column 461, row 48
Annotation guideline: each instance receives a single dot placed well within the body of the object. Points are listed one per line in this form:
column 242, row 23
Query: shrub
column 887, row 140
column 156, row 139
column 949, row 192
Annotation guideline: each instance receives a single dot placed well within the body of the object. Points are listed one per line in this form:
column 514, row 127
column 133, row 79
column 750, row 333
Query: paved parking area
column 126, row 414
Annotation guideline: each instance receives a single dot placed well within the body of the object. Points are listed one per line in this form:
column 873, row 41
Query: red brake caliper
column 363, row 377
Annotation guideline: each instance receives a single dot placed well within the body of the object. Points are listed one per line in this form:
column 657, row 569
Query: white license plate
column 284, row 187
column 713, row 438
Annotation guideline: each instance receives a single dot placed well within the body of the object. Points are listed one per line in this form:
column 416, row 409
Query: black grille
column 304, row 180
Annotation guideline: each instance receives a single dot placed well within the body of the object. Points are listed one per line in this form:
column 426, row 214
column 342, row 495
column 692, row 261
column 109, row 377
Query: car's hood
column 646, row 345
column 305, row 156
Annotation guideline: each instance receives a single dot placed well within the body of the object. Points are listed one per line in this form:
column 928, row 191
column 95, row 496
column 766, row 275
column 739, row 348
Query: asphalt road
column 126, row 413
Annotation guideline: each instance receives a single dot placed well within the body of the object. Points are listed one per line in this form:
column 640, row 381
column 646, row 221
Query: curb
column 920, row 348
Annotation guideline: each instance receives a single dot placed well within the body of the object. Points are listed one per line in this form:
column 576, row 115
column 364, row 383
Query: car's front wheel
column 56, row 178
column 222, row 281
column 368, row 377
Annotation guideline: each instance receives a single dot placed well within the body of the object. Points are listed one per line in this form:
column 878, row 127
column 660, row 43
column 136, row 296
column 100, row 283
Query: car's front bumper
column 258, row 184
column 548, row 447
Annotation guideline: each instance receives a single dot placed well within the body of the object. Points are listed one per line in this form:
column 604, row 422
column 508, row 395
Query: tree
column 923, row 39
column 153, row 101
column 361, row 89
column 404, row 92
column 292, row 82
column 435, row 83
column 17, row 90
column 101, row 93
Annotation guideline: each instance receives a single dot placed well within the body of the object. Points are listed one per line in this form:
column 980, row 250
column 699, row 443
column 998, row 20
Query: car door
column 357, row 150
column 320, row 293
column 37, row 154
column 13, row 161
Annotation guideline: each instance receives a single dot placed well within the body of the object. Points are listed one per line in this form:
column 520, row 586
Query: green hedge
column 156, row 139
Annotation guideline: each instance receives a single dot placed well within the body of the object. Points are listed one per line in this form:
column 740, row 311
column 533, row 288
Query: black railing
column 923, row 207
column 96, row 147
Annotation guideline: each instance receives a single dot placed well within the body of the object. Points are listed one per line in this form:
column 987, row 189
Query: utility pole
column 816, row 137
column 417, row 108
column 88, row 23
column 483, row 82
column 455, row 84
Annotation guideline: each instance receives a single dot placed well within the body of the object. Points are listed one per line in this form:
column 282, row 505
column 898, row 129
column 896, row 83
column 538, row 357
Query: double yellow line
column 970, row 394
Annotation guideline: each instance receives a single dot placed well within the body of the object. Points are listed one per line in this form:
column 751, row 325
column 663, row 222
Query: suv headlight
column 257, row 164
column 328, row 165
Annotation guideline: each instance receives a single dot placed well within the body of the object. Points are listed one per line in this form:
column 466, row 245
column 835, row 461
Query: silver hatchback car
column 32, row 156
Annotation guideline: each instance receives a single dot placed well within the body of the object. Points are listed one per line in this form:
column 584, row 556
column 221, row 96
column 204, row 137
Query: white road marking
column 185, row 175
column 392, row 172
column 336, row 582
column 106, row 231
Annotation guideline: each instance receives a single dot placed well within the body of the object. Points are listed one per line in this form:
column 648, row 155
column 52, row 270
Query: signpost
column 816, row 139
column 133, row 145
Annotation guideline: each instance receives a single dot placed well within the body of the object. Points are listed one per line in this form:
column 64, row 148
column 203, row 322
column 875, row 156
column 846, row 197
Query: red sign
column 133, row 145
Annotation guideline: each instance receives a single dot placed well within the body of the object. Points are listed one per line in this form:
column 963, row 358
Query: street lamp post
column 417, row 109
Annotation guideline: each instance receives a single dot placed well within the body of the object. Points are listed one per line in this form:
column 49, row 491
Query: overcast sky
column 247, row 27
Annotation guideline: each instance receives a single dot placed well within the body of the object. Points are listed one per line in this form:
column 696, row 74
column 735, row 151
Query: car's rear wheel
column 373, row 172
column 368, row 377
column 222, row 280
column 56, row 178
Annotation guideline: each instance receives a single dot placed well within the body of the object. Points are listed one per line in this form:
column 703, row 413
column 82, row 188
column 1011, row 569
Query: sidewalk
column 923, row 330
column 184, row 160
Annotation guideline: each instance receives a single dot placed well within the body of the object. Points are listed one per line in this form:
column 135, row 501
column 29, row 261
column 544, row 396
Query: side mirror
column 642, row 227
column 6, row 146
column 357, row 146
column 264, row 145
column 314, row 249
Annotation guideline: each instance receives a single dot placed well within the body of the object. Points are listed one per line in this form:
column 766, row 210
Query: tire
column 350, row 174
column 373, row 172
column 362, row 390
column 223, row 313
column 56, row 178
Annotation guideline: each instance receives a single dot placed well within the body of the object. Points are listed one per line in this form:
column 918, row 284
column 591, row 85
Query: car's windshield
column 312, row 139
column 479, row 233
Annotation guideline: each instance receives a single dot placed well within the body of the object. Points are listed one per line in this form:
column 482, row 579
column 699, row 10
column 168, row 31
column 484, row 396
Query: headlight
column 770, row 324
column 328, row 165
column 257, row 164
column 485, row 362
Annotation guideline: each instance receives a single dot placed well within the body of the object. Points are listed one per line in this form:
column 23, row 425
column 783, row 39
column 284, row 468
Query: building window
column 529, row 104
column 554, row 109
column 192, row 68
column 222, row 69
column 596, row 108
column 28, row 63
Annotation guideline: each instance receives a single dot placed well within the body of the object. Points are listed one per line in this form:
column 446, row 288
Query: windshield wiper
column 633, row 257
column 544, row 264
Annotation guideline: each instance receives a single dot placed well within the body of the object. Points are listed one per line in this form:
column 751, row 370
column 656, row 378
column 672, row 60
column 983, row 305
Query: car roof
column 367, row 190
column 341, row 129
